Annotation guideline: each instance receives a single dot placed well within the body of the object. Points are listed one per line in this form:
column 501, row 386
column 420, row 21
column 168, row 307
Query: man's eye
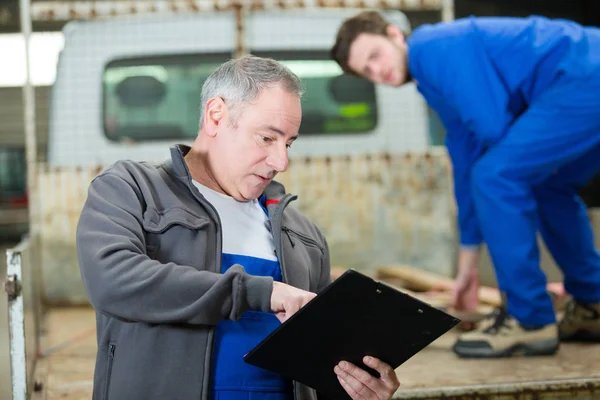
column 266, row 139
column 288, row 145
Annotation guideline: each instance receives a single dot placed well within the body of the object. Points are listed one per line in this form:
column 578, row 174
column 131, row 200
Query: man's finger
column 458, row 298
column 388, row 375
column 351, row 392
column 454, row 299
column 360, row 380
column 457, row 290
column 290, row 309
column 307, row 299
column 280, row 316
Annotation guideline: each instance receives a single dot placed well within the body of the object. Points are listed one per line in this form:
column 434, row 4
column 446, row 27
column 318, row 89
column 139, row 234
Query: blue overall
column 520, row 100
column 232, row 378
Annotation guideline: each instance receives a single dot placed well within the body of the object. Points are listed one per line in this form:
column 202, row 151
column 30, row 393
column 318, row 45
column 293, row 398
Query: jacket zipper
column 210, row 343
column 111, row 357
column 304, row 239
column 211, row 335
column 278, row 239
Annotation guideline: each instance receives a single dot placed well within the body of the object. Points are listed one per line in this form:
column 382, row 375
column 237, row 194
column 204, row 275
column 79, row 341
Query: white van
column 130, row 87
column 364, row 169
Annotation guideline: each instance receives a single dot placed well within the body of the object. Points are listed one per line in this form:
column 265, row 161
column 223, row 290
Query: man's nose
column 376, row 70
column 278, row 159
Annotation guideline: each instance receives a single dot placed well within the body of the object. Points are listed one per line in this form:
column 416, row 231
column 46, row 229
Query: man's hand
column 286, row 300
column 359, row 384
column 465, row 293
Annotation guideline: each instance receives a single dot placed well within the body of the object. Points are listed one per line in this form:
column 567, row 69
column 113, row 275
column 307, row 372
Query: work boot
column 581, row 322
column 501, row 335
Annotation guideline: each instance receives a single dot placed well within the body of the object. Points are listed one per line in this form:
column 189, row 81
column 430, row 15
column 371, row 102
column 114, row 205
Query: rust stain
column 193, row 6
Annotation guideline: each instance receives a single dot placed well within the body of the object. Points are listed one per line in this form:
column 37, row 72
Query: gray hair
column 240, row 81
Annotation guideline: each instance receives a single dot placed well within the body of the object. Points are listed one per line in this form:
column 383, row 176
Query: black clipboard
column 354, row 316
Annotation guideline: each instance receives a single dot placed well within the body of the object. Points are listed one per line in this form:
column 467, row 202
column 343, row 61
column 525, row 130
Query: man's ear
column 394, row 33
column 214, row 114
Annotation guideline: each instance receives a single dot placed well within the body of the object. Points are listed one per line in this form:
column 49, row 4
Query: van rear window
column 158, row 98
column 333, row 102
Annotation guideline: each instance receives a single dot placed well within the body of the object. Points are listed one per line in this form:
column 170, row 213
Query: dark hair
column 364, row 22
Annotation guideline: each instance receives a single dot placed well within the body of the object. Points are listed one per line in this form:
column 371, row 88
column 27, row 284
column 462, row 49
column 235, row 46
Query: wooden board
column 420, row 280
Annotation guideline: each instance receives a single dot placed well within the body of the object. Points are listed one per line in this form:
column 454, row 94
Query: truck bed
column 574, row 373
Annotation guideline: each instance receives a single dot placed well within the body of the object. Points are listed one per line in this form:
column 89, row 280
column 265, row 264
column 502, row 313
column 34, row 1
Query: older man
column 185, row 263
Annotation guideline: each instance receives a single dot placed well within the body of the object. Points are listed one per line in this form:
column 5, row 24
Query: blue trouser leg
column 566, row 227
column 561, row 127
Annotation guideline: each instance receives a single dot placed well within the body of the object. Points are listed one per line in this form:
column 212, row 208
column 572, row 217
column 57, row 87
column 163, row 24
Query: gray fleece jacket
column 149, row 249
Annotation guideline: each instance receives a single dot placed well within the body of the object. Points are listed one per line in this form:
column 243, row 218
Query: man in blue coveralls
column 520, row 101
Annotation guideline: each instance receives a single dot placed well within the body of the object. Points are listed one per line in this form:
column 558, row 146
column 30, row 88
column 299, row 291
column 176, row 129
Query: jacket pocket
column 304, row 256
column 156, row 222
column 178, row 235
column 109, row 365
column 307, row 241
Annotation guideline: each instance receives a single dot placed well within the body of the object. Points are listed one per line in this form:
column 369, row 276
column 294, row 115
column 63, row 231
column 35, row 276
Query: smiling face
column 380, row 59
column 248, row 148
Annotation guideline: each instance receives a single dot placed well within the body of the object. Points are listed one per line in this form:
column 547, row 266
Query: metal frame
column 31, row 150
column 22, row 289
column 14, row 259
column 16, row 324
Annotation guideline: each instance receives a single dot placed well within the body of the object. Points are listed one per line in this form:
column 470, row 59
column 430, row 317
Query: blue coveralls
column 520, row 100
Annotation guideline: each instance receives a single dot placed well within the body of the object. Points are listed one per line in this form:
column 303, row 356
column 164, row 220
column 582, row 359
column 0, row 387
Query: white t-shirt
column 245, row 225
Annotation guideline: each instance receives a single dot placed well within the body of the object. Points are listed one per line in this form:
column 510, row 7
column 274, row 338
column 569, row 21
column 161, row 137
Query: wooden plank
column 420, row 280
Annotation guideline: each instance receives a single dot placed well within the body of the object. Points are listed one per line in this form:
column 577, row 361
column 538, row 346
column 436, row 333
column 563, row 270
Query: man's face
column 246, row 155
column 381, row 59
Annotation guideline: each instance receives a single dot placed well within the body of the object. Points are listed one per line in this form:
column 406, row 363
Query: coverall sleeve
column 453, row 59
column 451, row 64
column 464, row 150
column 122, row 281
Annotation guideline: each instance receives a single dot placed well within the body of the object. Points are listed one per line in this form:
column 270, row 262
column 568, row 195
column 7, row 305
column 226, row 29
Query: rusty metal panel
column 373, row 209
column 62, row 194
column 378, row 209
